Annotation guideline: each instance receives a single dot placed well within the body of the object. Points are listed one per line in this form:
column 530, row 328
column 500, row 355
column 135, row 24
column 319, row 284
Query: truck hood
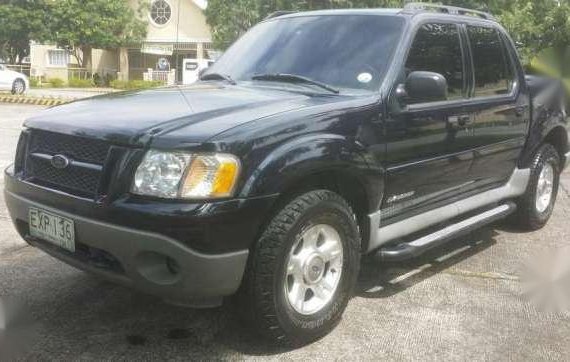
column 201, row 111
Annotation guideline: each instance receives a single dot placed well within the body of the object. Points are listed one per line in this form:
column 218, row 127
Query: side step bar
column 414, row 248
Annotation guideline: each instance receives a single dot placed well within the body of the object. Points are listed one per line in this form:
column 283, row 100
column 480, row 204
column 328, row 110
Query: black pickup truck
column 317, row 138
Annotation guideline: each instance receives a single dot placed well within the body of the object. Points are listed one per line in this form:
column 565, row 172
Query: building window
column 58, row 58
column 160, row 12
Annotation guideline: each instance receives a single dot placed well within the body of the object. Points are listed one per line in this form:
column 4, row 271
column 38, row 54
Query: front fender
column 302, row 157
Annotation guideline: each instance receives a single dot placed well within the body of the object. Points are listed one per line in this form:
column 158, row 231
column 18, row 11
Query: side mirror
column 424, row 87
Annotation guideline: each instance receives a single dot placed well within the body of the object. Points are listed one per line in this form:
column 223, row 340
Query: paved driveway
column 11, row 118
column 460, row 302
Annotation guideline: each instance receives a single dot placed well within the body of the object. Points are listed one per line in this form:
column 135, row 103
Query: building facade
column 177, row 31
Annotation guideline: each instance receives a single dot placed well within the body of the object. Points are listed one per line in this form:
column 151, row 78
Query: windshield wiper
column 216, row 76
column 293, row 78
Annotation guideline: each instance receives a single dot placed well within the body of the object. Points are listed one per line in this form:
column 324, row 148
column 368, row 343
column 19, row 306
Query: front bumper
column 146, row 261
column 192, row 254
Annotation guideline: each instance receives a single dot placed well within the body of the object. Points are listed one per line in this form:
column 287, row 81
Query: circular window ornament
column 160, row 12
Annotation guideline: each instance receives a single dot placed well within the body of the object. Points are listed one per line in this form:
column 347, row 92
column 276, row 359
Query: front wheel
column 303, row 270
column 536, row 205
column 18, row 87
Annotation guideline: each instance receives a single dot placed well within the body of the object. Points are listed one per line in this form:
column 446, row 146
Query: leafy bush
column 34, row 82
column 135, row 84
column 80, row 83
column 56, row 82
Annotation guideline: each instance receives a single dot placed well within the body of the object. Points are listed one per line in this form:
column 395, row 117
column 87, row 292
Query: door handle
column 460, row 121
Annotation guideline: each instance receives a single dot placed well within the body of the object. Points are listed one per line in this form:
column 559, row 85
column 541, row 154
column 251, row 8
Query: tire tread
column 257, row 297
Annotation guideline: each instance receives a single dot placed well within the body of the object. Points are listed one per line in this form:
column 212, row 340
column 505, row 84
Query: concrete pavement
column 11, row 118
column 460, row 302
column 68, row 92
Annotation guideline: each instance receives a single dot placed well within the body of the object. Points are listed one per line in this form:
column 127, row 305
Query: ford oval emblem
column 60, row 162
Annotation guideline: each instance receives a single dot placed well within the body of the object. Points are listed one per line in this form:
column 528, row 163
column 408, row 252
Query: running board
column 414, row 248
column 381, row 235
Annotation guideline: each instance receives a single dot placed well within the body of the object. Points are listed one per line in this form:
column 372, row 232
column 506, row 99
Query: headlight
column 179, row 175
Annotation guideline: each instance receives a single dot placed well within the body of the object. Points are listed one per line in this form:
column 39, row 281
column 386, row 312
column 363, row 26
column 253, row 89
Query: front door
column 429, row 144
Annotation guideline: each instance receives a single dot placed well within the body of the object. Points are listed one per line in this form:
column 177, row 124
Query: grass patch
column 56, row 82
column 34, row 82
column 135, row 84
column 80, row 83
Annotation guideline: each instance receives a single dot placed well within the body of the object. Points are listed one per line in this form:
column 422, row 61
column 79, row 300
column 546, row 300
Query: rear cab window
column 493, row 69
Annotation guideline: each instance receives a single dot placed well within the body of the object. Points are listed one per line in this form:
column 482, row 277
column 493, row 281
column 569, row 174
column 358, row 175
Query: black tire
column 528, row 216
column 262, row 298
column 18, row 87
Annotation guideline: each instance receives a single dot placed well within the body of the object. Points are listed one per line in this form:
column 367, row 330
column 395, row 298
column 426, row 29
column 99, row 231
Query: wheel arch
column 324, row 161
column 558, row 137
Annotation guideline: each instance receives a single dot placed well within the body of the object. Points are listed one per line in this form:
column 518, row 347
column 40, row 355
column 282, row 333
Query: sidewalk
column 52, row 96
column 69, row 93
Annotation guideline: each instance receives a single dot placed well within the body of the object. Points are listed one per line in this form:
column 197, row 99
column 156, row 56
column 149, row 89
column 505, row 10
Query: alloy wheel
column 544, row 188
column 314, row 269
column 19, row 87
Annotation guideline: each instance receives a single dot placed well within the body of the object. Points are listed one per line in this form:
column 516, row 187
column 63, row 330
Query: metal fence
column 78, row 73
column 83, row 73
column 167, row 77
column 20, row 68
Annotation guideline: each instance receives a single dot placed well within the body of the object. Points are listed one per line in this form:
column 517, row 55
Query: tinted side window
column 437, row 48
column 493, row 70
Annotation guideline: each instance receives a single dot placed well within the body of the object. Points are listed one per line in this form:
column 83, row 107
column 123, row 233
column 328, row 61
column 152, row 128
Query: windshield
column 343, row 51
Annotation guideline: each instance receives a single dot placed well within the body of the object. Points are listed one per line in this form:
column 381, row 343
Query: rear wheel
column 536, row 205
column 303, row 269
column 18, row 87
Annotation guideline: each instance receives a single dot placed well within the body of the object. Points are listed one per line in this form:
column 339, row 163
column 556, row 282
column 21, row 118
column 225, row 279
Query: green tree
column 229, row 19
column 537, row 25
column 20, row 22
column 81, row 25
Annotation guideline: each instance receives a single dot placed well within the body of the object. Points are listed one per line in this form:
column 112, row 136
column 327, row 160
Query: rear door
column 428, row 154
column 500, row 104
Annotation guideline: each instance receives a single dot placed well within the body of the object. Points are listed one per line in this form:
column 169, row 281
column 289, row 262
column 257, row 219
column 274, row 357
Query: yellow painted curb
column 32, row 101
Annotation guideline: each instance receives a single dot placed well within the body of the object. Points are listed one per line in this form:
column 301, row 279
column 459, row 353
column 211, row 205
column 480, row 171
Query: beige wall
column 186, row 25
column 192, row 24
column 40, row 66
column 104, row 61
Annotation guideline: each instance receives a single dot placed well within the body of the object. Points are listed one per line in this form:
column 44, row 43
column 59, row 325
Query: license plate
column 53, row 228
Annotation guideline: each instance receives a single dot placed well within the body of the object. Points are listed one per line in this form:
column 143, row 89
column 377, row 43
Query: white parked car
column 13, row 81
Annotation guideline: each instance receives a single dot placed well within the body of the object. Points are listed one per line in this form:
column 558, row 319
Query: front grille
column 77, row 148
column 73, row 178
column 21, row 153
column 81, row 177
